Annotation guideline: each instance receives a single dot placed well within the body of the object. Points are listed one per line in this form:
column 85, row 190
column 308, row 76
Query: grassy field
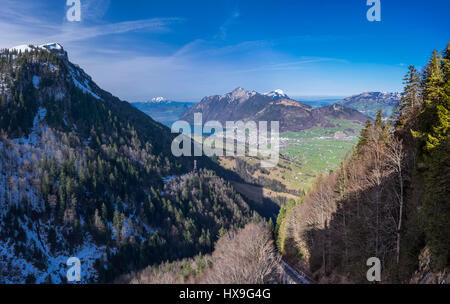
column 317, row 150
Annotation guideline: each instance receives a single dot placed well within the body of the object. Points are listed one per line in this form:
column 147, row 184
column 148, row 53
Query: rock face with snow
column 81, row 175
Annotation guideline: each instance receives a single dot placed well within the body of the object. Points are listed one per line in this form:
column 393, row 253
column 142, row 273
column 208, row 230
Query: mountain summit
column 370, row 102
column 277, row 94
column 235, row 105
column 51, row 47
column 159, row 99
column 274, row 106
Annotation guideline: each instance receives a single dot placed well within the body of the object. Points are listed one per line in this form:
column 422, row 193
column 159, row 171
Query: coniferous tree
column 435, row 157
column 411, row 95
column 364, row 135
column 433, row 92
column 379, row 118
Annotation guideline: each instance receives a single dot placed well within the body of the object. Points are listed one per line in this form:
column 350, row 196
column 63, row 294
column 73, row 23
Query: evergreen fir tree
column 363, row 138
column 379, row 119
column 434, row 110
column 435, row 158
column 412, row 91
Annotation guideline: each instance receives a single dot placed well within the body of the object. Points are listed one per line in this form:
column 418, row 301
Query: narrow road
column 294, row 276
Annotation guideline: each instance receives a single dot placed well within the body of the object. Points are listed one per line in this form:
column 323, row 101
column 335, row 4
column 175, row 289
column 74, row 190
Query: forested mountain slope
column 370, row 102
column 87, row 175
column 389, row 200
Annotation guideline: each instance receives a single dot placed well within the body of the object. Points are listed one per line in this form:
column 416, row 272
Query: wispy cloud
column 94, row 10
column 291, row 65
column 223, row 30
column 30, row 23
column 73, row 32
column 139, row 67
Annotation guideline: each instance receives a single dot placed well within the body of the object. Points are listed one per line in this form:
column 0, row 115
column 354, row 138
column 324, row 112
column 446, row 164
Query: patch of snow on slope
column 84, row 89
column 82, row 86
column 88, row 253
column 34, row 137
column 53, row 268
column 36, row 81
column 3, row 86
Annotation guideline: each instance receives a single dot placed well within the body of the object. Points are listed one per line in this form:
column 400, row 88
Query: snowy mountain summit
column 159, row 99
column 277, row 94
column 238, row 94
column 51, row 47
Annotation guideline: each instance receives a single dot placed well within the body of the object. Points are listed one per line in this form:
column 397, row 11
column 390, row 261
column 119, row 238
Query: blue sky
column 185, row 50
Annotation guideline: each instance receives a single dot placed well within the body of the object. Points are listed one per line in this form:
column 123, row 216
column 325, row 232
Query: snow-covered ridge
column 51, row 47
column 239, row 94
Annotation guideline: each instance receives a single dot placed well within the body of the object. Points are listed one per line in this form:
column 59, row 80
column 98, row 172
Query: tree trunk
column 400, row 216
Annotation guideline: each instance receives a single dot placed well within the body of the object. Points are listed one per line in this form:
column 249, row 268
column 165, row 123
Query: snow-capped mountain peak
column 75, row 74
column 239, row 94
column 276, row 94
column 159, row 99
column 21, row 48
column 51, row 47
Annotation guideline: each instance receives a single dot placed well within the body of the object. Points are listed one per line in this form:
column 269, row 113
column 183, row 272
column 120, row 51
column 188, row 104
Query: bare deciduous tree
column 396, row 156
column 245, row 257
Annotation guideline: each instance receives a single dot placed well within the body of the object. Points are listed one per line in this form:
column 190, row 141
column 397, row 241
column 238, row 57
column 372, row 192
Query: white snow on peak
column 21, row 48
column 238, row 94
column 51, row 47
column 277, row 91
column 159, row 99
column 277, row 94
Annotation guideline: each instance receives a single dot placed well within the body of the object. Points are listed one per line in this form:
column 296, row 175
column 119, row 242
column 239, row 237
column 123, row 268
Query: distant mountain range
column 370, row 102
column 274, row 106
